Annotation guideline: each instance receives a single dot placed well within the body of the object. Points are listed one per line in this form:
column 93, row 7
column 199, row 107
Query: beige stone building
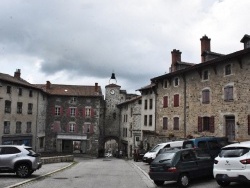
column 210, row 98
column 23, row 112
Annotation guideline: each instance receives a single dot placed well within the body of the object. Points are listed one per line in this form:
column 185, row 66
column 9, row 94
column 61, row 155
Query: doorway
column 230, row 127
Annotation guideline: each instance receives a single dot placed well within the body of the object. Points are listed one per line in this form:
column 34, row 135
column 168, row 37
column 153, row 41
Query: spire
column 112, row 79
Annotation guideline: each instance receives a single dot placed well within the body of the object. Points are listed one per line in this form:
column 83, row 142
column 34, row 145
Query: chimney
column 246, row 41
column 205, row 46
column 17, row 74
column 96, row 87
column 176, row 56
column 48, row 84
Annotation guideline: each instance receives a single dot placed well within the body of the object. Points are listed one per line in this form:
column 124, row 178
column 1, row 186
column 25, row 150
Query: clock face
column 112, row 92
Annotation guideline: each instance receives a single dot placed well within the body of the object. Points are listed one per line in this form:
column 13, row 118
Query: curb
column 41, row 176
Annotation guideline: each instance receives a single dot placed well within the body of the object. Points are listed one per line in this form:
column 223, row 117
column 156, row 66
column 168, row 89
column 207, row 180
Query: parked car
column 150, row 155
column 180, row 165
column 233, row 164
column 138, row 154
column 209, row 145
column 19, row 159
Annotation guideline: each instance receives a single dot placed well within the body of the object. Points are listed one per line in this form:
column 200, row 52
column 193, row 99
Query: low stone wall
column 57, row 159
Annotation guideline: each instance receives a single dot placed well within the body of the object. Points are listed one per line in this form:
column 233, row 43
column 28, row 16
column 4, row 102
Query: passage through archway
column 111, row 146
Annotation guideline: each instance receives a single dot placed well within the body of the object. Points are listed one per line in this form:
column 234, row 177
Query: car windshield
column 233, row 152
column 165, row 157
column 156, row 148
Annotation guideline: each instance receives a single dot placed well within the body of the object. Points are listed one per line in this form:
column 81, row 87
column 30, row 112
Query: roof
column 239, row 144
column 13, row 80
column 224, row 58
column 112, row 85
column 185, row 63
column 246, row 37
column 71, row 90
column 130, row 101
column 150, row 86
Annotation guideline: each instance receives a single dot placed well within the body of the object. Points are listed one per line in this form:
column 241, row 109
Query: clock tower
column 113, row 96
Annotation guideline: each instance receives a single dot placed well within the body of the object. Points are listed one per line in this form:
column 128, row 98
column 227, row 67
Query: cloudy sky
column 81, row 42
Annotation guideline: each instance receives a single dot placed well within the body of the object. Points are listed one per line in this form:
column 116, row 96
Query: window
column 58, row 111
column 145, row 120
column 30, row 106
column 87, row 112
column 18, row 127
column 73, row 100
column 145, row 104
column 72, row 112
column 19, row 107
column 139, row 102
column 6, row 129
column 176, row 100
column 228, row 93
column 165, row 101
column 31, row 93
column 228, row 69
column 9, row 89
column 205, row 75
column 176, row 123
column 28, row 128
column 165, row 123
column 72, row 127
column 131, row 112
column 206, row 124
column 7, row 108
column 20, row 91
column 151, row 104
column 176, row 81
column 206, row 96
column 165, row 84
column 150, row 120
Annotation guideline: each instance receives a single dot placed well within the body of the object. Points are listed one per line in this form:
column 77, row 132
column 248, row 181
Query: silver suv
column 19, row 159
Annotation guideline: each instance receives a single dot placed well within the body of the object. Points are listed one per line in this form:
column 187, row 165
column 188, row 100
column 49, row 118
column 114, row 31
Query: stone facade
column 210, row 98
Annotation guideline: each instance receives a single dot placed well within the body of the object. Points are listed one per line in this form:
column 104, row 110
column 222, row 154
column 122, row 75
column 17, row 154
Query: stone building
column 209, row 98
column 130, row 123
column 23, row 112
column 74, row 118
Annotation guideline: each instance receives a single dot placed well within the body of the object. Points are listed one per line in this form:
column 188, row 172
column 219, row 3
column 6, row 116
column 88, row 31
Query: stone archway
column 111, row 144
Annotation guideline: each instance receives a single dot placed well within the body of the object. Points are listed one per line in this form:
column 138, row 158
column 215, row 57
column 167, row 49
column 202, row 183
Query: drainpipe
column 37, row 105
column 185, row 105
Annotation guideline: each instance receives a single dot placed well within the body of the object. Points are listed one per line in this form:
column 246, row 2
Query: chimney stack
column 17, row 74
column 48, row 85
column 176, row 56
column 205, row 46
column 96, row 87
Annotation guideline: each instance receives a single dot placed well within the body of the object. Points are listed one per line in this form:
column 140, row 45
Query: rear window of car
column 165, row 157
column 188, row 144
column 233, row 152
column 30, row 151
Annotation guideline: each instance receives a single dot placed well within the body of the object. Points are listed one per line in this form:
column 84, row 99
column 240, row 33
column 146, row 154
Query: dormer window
column 205, row 75
column 176, row 81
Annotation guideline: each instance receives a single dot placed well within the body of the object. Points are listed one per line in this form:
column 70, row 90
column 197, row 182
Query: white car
column 150, row 156
column 233, row 164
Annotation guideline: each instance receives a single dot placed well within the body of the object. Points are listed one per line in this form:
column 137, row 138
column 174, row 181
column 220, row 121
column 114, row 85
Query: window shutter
column 67, row 128
column 165, row 101
column 83, row 112
column 92, row 112
column 91, row 129
column 68, row 112
column 61, row 110
column 77, row 112
column 199, row 124
column 76, row 128
column 176, row 100
column 211, row 122
column 53, row 110
column 248, row 124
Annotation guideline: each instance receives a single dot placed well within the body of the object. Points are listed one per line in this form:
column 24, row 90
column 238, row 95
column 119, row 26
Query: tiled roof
column 150, row 86
column 224, row 58
column 131, row 100
column 71, row 90
column 112, row 85
column 185, row 63
column 13, row 80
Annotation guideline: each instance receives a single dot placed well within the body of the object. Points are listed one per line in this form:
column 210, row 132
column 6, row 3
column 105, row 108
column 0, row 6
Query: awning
column 71, row 137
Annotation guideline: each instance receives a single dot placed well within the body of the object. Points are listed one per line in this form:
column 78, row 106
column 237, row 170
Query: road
column 107, row 173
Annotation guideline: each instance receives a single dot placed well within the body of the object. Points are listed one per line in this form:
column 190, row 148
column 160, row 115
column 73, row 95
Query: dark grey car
column 180, row 165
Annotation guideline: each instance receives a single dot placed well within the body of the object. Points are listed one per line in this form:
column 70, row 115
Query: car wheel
column 223, row 183
column 158, row 182
column 23, row 170
column 183, row 180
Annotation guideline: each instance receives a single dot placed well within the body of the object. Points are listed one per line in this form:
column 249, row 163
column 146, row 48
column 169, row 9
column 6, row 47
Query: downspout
column 37, row 104
column 185, row 105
